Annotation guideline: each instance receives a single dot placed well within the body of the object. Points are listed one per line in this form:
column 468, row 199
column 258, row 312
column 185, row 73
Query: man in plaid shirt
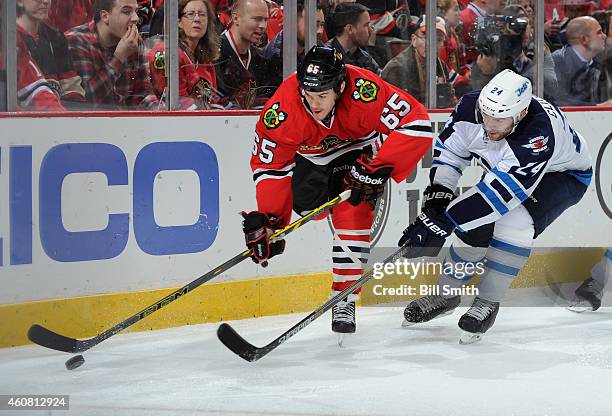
column 108, row 54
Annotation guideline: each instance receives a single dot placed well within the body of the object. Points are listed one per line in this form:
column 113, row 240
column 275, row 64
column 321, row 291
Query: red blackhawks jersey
column 371, row 113
column 34, row 93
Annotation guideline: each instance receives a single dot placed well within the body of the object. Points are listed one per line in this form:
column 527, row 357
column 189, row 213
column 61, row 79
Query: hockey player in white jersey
column 536, row 166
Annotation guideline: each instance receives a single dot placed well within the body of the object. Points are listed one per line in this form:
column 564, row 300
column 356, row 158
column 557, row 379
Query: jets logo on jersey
column 367, row 91
column 273, row 117
column 325, row 144
column 537, row 144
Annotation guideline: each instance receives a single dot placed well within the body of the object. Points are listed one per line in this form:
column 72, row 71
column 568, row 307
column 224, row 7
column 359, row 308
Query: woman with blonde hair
column 198, row 51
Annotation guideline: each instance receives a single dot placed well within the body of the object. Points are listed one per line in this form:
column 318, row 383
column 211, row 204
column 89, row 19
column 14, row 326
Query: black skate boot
column 429, row 307
column 477, row 320
column 343, row 319
column 588, row 296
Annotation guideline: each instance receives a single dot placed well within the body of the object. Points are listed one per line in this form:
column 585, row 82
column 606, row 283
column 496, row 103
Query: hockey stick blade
column 52, row 340
column 241, row 347
column 42, row 336
column 238, row 345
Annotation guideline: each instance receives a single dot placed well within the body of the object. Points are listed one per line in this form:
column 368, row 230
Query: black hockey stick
column 45, row 337
column 241, row 347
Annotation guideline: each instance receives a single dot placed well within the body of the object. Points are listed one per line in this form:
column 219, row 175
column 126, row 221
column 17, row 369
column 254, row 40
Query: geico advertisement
column 99, row 205
column 78, row 184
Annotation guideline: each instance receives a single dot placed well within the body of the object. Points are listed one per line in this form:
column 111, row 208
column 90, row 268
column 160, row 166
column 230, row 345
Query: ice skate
column 588, row 296
column 477, row 320
column 343, row 319
column 428, row 308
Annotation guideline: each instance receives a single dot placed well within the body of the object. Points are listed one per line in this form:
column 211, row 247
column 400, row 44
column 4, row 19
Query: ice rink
column 535, row 361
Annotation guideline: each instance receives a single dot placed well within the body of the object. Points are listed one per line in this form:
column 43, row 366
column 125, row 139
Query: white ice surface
column 534, row 361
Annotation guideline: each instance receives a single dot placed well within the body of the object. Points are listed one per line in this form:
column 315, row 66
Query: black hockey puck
column 75, row 362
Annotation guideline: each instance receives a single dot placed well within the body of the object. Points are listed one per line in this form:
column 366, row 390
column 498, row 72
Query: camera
column 492, row 36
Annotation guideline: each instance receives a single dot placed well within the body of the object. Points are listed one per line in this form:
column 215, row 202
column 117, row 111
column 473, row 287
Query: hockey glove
column 257, row 228
column 436, row 198
column 427, row 234
column 366, row 183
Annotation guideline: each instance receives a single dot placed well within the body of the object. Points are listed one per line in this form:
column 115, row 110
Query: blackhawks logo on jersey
column 367, row 91
column 159, row 61
column 273, row 117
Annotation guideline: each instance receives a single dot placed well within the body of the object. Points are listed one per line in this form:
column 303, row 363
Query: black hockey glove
column 257, row 228
column 366, row 183
column 427, row 234
column 436, row 198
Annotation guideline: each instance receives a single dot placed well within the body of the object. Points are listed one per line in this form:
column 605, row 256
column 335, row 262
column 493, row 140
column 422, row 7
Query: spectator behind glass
column 349, row 28
column 407, row 70
column 242, row 72
column 275, row 22
column 66, row 14
column 198, row 49
column 108, row 55
column 389, row 21
column 328, row 7
column 471, row 16
column 604, row 17
column 33, row 91
column 49, row 48
column 453, row 52
column 510, row 54
column 273, row 52
column 381, row 15
column 581, row 78
column 528, row 6
column 571, row 9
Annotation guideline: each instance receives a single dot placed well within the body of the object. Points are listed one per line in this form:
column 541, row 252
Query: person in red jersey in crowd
column 199, row 48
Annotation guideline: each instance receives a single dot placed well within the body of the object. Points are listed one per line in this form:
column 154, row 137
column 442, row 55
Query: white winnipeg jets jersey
column 544, row 141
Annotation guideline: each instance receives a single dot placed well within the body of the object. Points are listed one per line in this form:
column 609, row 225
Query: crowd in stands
column 110, row 54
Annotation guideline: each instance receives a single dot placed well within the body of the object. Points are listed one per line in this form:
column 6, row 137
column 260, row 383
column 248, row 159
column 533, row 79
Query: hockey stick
column 241, row 347
column 45, row 337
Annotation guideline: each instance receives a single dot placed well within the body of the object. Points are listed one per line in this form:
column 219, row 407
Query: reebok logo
column 365, row 178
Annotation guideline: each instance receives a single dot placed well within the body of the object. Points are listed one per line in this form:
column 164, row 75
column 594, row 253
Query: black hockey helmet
column 322, row 69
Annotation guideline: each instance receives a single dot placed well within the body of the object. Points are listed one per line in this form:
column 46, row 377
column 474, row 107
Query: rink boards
column 99, row 216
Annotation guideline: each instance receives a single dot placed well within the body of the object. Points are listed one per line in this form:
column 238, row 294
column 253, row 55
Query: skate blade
column 579, row 307
column 469, row 338
column 341, row 338
column 408, row 324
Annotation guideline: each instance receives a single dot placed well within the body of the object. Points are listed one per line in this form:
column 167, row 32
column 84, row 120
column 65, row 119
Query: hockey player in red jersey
column 328, row 128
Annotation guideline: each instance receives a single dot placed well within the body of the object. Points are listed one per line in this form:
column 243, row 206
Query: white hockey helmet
column 508, row 94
